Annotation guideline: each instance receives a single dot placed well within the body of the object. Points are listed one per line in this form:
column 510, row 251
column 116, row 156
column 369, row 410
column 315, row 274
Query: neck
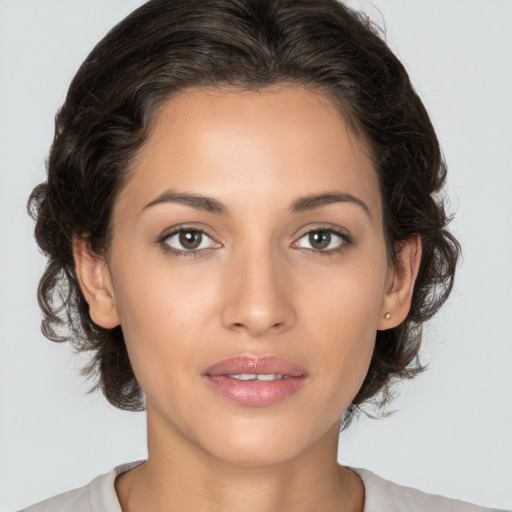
column 179, row 476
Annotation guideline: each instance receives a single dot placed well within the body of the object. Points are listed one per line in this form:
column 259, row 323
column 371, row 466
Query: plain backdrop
column 451, row 433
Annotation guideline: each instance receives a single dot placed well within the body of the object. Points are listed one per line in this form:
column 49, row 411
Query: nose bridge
column 259, row 299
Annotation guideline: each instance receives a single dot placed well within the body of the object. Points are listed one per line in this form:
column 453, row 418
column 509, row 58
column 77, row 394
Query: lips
column 255, row 381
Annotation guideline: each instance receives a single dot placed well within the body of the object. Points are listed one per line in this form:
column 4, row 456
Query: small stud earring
column 387, row 316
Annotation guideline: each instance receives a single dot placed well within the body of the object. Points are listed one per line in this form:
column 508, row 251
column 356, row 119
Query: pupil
column 320, row 239
column 190, row 239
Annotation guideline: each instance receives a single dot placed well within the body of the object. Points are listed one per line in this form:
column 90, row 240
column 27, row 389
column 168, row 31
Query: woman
column 240, row 209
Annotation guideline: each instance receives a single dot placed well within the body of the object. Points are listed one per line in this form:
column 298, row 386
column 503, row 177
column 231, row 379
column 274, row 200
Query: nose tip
column 258, row 324
column 259, row 300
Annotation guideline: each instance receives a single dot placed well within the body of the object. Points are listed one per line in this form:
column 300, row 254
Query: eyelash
column 184, row 253
column 347, row 241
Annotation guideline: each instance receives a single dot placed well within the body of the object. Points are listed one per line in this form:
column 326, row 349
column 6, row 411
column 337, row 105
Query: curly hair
column 166, row 46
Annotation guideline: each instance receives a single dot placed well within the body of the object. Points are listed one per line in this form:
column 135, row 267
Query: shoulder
column 385, row 496
column 98, row 496
column 77, row 500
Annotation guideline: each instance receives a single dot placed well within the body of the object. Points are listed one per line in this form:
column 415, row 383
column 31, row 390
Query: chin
column 257, row 455
column 263, row 443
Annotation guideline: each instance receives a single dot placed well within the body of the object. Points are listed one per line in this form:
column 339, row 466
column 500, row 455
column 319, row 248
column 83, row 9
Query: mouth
column 267, row 377
column 255, row 381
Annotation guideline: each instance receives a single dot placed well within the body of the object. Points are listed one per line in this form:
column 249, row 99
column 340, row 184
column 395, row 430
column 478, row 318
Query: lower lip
column 253, row 392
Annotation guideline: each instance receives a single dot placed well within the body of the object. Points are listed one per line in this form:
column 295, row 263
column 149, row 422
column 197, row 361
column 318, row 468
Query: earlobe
column 94, row 279
column 397, row 300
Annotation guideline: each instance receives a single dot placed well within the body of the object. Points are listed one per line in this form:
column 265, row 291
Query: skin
column 256, row 286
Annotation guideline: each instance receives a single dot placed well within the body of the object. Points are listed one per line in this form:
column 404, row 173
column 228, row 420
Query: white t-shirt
column 381, row 496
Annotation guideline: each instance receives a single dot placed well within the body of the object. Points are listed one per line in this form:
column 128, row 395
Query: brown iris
column 320, row 239
column 190, row 239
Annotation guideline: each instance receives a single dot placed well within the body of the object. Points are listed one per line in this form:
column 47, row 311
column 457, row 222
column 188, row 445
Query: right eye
column 188, row 240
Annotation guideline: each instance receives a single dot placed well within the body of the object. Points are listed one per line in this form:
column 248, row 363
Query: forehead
column 281, row 138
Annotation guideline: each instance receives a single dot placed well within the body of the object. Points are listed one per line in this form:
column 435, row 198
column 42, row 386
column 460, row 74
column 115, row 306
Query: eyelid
column 175, row 230
column 337, row 231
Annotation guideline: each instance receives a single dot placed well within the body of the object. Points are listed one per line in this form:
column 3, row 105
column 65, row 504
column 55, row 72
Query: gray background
column 452, row 432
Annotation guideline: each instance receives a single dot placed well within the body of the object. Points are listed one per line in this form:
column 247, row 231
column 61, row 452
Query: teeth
column 243, row 376
column 269, row 376
column 253, row 376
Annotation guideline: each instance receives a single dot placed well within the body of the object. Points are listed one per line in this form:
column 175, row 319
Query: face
column 248, row 270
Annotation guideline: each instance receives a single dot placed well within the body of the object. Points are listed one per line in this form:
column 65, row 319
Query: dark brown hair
column 166, row 46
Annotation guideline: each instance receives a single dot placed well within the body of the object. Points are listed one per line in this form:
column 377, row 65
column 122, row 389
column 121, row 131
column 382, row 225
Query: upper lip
column 255, row 365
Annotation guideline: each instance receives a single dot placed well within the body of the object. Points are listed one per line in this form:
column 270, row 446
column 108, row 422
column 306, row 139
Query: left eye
column 321, row 240
column 189, row 240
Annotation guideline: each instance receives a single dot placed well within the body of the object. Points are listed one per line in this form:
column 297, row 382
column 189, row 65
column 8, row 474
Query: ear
column 94, row 280
column 397, row 299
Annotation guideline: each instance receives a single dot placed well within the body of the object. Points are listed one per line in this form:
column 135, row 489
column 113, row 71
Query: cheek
column 155, row 298
column 342, row 317
column 165, row 315
column 346, row 300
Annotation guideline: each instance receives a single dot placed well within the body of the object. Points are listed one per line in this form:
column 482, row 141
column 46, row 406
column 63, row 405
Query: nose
column 259, row 296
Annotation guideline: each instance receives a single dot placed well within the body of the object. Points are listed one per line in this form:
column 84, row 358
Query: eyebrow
column 197, row 201
column 318, row 200
column 211, row 205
